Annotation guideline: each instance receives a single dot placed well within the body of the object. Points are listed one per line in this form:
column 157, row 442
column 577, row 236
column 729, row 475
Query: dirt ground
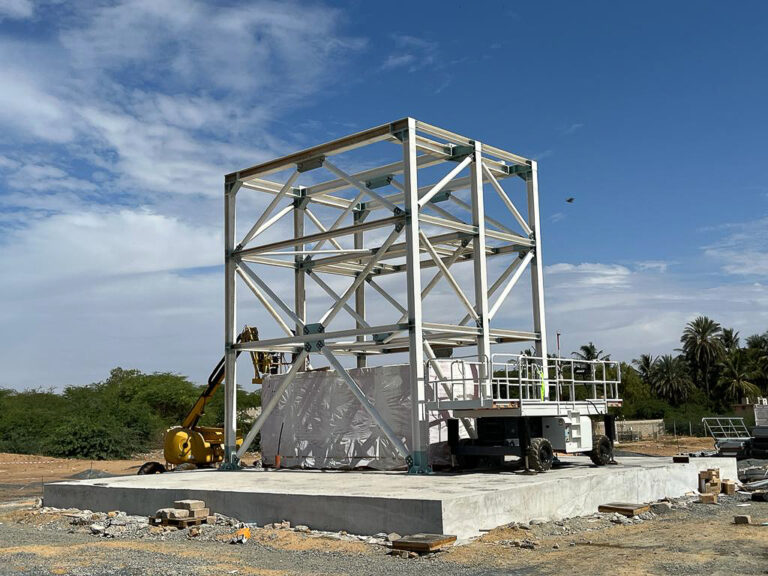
column 690, row 538
column 668, row 445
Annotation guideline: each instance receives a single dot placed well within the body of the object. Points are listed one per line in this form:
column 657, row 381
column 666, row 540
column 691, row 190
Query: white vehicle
column 527, row 407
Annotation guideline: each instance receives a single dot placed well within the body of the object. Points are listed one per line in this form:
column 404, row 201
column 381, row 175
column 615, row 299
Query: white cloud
column 572, row 128
column 16, row 9
column 653, row 265
column 744, row 249
column 115, row 133
column 412, row 53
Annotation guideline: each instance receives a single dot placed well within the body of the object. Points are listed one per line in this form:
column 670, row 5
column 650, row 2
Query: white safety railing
column 519, row 379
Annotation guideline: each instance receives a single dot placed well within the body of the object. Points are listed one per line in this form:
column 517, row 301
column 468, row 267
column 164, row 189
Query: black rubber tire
column 151, row 468
column 602, row 451
column 540, row 455
column 186, row 466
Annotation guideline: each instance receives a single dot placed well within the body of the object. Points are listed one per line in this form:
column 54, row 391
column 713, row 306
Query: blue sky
column 119, row 119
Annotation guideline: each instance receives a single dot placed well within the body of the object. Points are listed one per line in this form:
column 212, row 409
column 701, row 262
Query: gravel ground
column 680, row 536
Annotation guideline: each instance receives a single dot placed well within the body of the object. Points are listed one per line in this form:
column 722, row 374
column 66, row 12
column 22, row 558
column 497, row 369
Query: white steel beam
column 537, row 277
column 419, row 461
column 447, row 274
column 336, row 298
column 388, row 297
column 275, row 298
column 446, row 179
column 256, row 228
column 321, row 228
column 482, row 317
column 511, row 284
column 344, row 176
column 331, row 314
column 264, row 302
column 509, row 204
column 230, row 325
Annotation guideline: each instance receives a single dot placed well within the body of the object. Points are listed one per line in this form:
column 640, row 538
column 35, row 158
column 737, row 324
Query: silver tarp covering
column 318, row 423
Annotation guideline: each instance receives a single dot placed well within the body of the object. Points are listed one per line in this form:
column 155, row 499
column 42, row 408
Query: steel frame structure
column 421, row 235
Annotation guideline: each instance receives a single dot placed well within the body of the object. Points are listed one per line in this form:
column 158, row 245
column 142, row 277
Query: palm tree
column 671, row 380
column 730, row 339
column 758, row 342
column 736, row 377
column 590, row 352
column 703, row 348
column 645, row 367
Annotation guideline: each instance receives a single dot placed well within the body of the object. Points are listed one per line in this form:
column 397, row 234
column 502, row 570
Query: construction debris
column 184, row 514
column 628, row 510
column 709, row 481
column 241, row 536
column 423, row 542
column 728, row 487
column 743, row 519
column 708, row 498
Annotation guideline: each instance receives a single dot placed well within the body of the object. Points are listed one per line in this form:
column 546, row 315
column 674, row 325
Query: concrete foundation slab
column 367, row 502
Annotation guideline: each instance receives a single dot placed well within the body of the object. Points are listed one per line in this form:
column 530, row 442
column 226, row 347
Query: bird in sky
column 570, row 200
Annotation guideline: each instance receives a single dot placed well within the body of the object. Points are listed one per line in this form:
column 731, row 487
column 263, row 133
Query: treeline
column 125, row 414
column 709, row 372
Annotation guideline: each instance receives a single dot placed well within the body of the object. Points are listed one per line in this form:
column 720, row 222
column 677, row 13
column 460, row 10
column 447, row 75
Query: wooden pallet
column 423, row 542
column 177, row 522
column 628, row 510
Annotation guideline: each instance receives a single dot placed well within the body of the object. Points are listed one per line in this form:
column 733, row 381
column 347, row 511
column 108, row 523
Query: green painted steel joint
column 231, row 462
column 301, row 200
column 378, row 182
column 519, row 170
column 441, row 196
column 314, row 346
column 311, row 164
column 316, row 328
column 418, row 463
column 460, row 151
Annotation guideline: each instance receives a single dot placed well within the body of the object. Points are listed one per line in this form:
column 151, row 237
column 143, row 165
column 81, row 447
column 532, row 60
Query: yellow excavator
column 190, row 446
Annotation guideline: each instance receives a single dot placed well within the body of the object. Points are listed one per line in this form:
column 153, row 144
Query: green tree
column 590, row 352
column 671, row 380
column 645, row 367
column 703, row 349
column 736, row 377
column 730, row 339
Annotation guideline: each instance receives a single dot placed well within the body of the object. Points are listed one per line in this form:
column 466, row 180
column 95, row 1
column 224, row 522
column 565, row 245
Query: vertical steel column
column 537, row 278
column 358, row 216
column 299, row 284
column 230, row 327
column 418, row 460
column 481, row 273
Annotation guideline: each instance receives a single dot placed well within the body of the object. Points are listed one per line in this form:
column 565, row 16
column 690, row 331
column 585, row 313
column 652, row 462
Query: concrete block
column 199, row 513
column 172, row 513
column 189, row 504
column 728, row 487
column 744, row 519
column 708, row 498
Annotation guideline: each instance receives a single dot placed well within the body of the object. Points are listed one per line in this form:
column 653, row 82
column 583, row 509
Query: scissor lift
column 527, row 407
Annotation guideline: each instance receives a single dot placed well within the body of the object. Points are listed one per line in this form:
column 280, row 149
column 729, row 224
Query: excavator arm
column 249, row 334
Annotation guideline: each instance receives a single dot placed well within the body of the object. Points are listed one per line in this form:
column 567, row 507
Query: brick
column 728, row 487
column 745, row 519
column 210, row 520
column 714, row 487
column 189, row 504
column 199, row 513
column 708, row 498
column 172, row 513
